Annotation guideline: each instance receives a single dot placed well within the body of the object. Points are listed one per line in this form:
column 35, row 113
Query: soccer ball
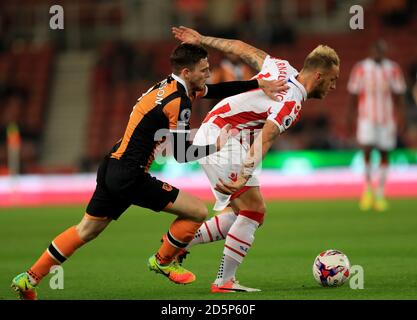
column 331, row 268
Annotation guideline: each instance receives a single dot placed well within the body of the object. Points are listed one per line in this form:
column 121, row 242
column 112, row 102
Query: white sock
column 237, row 244
column 214, row 229
column 383, row 171
column 227, row 270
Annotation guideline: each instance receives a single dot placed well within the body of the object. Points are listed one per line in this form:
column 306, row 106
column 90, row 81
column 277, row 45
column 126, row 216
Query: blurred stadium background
column 70, row 91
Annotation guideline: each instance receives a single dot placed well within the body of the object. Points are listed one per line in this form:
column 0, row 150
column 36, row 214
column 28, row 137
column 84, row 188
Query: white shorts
column 382, row 137
column 225, row 164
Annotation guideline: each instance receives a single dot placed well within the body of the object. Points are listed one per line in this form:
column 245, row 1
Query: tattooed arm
column 254, row 57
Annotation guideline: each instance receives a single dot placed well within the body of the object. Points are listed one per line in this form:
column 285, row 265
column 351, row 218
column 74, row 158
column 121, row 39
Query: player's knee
column 253, row 203
column 260, row 209
column 88, row 232
column 262, row 219
column 201, row 213
column 259, row 206
column 85, row 234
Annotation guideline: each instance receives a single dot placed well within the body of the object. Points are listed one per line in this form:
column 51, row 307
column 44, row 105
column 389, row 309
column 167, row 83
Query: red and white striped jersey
column 250, row 110
column 374, row 83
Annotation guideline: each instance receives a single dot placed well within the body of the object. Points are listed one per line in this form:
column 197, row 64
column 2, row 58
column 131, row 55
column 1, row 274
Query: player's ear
column 186, row 73
column 318, row 75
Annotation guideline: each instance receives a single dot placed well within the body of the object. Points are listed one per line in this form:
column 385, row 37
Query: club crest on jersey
column 166, row 186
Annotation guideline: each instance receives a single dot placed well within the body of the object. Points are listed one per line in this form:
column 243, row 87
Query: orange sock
column 61, row 248
column 180, row 233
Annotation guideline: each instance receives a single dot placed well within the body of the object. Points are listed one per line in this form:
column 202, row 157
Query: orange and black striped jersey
column 167, row 105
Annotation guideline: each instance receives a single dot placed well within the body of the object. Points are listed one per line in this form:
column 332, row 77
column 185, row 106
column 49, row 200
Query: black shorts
column 119, row 186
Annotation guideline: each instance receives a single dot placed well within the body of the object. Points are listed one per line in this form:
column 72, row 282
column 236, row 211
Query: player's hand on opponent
column 224, row 135
column 231, row 187
column 273, row 87
column 187, row 35
column 239, row 183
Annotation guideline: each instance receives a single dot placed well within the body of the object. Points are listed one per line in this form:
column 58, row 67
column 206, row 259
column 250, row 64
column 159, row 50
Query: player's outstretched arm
column 230, row 88
column 254, row 57
column 255, row 155
column 184, row 151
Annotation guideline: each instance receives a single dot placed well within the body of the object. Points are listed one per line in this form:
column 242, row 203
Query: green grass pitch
column 114, row 265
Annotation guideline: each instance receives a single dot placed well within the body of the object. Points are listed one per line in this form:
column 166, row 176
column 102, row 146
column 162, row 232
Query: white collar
column 180, row 80
column 299, row 86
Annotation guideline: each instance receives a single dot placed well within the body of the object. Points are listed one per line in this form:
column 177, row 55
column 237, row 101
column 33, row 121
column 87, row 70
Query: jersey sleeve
column 397, row 80
column 267, row 62
column 356, row 80
column 285, row 115
column 267, row 70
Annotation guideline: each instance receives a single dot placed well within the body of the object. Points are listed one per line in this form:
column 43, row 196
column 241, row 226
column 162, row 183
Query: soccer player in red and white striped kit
column 252, row 115
column 372, row 84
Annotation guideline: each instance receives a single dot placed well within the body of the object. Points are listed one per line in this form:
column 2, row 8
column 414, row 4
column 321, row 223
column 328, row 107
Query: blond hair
column 322, row 57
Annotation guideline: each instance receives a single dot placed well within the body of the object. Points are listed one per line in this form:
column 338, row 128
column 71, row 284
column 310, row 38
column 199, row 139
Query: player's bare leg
column 191, row 213
column 239, row 239
column 60, row 249
column 380, row 203
column 367, row 197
